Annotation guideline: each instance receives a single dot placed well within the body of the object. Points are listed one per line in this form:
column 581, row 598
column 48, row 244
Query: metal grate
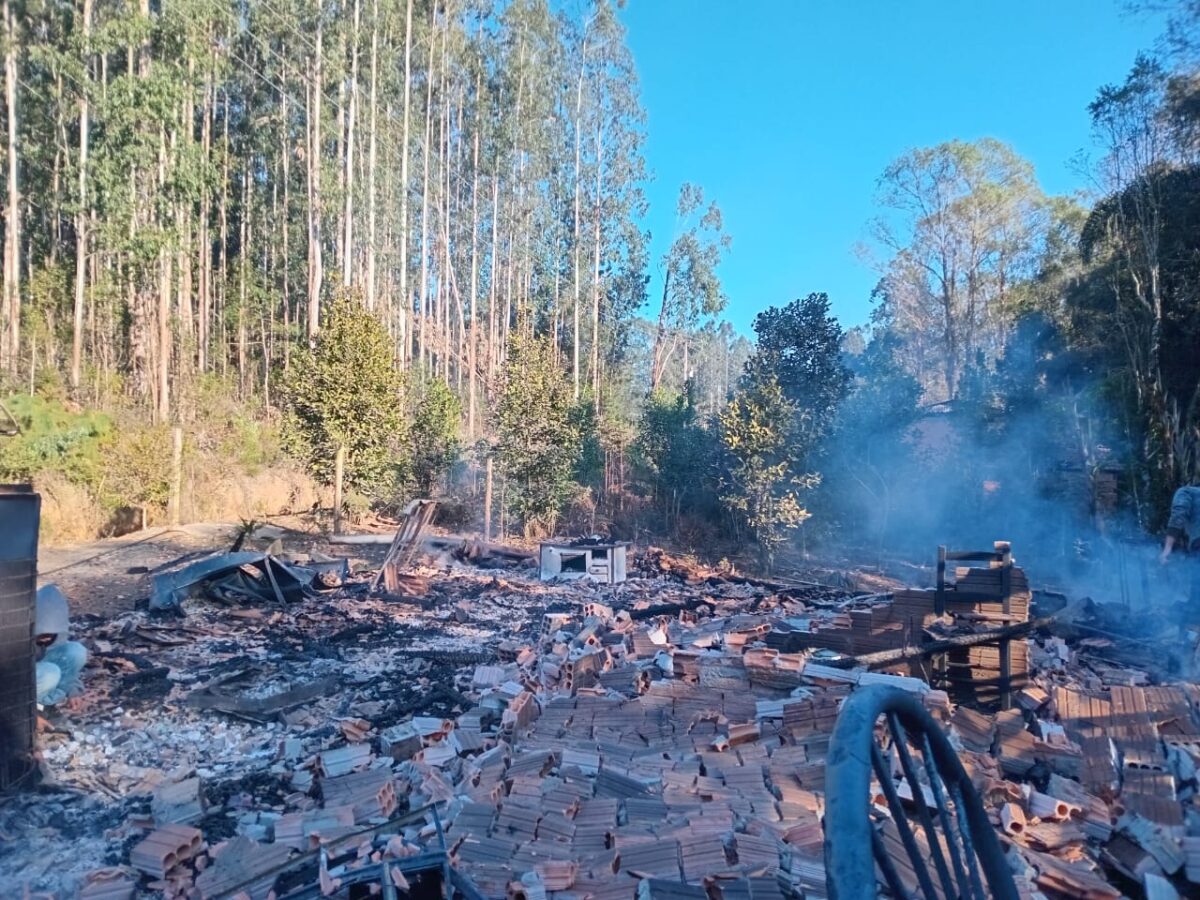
column 20, row 514
column 938, row 844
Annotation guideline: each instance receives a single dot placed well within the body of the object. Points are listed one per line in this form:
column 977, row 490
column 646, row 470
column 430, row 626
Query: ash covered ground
column 575, row 738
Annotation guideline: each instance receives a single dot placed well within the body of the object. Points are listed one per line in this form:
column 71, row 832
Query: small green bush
column 54, row 438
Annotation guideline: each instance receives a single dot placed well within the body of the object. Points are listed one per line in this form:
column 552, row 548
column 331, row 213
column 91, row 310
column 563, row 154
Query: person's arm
column 1177, row 524
column 1168, row 546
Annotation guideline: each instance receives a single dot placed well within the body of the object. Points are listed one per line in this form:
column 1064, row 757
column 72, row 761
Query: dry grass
column 69, row 511
column 211, row 494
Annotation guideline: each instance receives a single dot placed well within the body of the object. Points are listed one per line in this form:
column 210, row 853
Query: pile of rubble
column 564, row 740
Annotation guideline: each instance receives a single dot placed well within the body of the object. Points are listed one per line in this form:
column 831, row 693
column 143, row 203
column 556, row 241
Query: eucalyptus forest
column 411, row 236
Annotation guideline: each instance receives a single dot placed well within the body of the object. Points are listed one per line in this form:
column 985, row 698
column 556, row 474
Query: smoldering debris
column 578, row 739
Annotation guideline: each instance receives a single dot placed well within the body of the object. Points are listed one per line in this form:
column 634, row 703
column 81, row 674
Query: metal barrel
column 20, row 515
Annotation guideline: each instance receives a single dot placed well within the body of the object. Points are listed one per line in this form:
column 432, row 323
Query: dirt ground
column 103, row 753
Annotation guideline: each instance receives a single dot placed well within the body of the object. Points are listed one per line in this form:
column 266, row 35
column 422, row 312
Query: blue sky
column 787, row 112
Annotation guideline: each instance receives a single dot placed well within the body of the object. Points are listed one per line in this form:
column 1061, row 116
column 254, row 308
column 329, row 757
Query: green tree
column 777, row 425
column 674, row 454
column 433, row 433
column 345, row 395
column 589, row 467
column 759, row 483
column 801, row 345
column 539, row 442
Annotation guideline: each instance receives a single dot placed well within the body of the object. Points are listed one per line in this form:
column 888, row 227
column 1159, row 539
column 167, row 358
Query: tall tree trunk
column 223, row 214
column 339, row 474
column 141, row 313
column 661, row 353
column 442, row 301
column 285, row 221
column 472, row 347
column 575, row 231
column 53, row 209
column 205, row 249
column 405, row 300
column 387, row 254
column 371, row 158
column 81, row 216
column 459, row 312
column 163, row 353
column 11, row 344
column 438, row 263
column 597, row 210
column 314, row 187
column 243, row 264
column 348, row 177
column 183, row 220
column 423, row 300
column 515, row 200
column 493, row 280
column 186, row 338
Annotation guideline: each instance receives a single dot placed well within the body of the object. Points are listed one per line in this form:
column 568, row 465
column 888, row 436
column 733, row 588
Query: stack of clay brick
column 974, row 602
column 978, row 597
column 614, row 758
column 716, row 768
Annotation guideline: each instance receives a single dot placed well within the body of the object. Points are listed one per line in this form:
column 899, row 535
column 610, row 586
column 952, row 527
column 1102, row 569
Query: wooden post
column 940, row 663
column 174, row 503
column 487, row 501
column 1004, row 551
column 939, row 600
column 339, row 471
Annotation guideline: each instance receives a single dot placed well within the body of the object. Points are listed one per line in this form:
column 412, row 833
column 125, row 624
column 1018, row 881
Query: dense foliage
column 433, row 441
column 538, row 437
column 674, row 455
column 761, row 484
column 407, row 228
column 345, row 394
column 194, row 181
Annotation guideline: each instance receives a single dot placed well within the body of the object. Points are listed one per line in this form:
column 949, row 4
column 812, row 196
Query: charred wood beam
column 313, row 856
column 209, row 698
column 931, row 648
column 429, row 861
column 668, row 609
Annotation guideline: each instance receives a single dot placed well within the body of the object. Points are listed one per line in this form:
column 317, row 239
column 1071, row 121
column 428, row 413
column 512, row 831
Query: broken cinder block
column 179, row 803
column 108, row 884
column 1012, row 819
column 162, row 850
column 370, row 794
column 400, row 742
column 346, row 759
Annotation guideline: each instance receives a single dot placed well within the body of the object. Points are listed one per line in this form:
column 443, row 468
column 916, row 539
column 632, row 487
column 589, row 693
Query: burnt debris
column 480, row 731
